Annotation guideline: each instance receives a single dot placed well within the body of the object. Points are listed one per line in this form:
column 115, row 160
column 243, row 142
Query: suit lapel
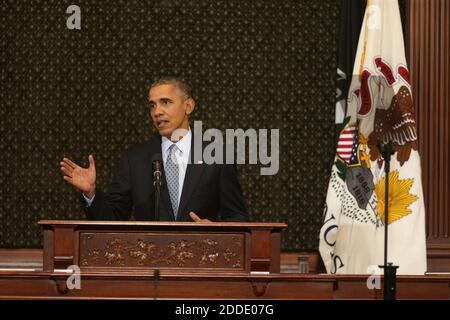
column 192, row 177
column 166, row 204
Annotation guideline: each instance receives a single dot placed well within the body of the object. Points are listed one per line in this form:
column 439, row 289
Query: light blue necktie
column 172, row 176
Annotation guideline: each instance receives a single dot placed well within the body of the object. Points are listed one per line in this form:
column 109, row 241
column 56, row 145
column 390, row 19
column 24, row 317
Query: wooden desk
column 44, row 285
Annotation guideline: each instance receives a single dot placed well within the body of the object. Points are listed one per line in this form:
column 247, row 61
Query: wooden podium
column 171, row 247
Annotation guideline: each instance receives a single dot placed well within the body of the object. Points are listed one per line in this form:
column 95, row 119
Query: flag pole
column 389, row 269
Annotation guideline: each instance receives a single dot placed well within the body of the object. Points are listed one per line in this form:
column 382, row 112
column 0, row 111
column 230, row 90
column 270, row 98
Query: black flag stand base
column 390, row 271
column 390, row 280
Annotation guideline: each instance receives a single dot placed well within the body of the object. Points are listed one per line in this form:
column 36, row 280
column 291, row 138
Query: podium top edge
column 260, row 225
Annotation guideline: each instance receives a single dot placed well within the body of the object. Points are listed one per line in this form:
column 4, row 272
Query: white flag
column 380, row 110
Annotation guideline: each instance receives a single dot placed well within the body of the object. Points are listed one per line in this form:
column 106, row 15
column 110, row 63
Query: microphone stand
column 390, row 270
column 157, row 184
column 155, row 283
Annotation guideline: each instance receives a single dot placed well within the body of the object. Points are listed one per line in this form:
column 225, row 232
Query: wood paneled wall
column 427, row 36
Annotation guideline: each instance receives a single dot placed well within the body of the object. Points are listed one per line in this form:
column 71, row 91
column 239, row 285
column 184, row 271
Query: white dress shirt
column 182, row 156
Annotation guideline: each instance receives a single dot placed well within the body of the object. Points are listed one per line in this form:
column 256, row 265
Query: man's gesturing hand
column 196, row 218
column 81, row 178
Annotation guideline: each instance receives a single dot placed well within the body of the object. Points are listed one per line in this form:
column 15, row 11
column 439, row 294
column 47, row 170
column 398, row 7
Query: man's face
column 169, row 109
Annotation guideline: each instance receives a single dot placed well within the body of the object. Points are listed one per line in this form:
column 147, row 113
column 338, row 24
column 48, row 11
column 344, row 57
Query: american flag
column 348, row 145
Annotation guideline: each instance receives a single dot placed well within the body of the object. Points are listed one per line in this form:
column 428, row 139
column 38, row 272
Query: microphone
column 157, row 165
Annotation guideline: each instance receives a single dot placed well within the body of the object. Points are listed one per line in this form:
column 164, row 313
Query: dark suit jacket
column 208, row 190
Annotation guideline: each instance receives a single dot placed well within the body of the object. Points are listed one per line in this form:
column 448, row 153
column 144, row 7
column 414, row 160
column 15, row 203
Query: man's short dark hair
column 179, row 83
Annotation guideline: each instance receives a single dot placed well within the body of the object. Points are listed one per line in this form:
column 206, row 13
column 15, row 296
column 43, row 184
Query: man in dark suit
column 190, row 191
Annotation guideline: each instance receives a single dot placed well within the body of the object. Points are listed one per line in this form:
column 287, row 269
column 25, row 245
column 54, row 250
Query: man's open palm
column 81, row 178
